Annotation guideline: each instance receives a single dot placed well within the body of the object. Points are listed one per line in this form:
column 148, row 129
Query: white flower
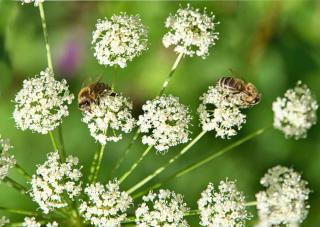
column 36, row 2
column 296, row 112
column 120, row 39
column 163, row 209
column 113, row 113
column 32, row 222
column 42, row 103
column 7, row 161
column 220, row 111
column 106, row 205
column 224, row 207
column 285, row 199
column 55, row 180
column 191, row 32
column 165, row 123
column 4, row 221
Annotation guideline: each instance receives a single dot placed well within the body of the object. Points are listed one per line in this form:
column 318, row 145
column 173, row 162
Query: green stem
column 15, row 185
column 45, row 35
column 128, row 148
column 17, row 211
column 191, row 213
column 135, row 164
column 22, row 172
column 252, row 203
column 200, row 163
column 162, row 168
column 96, row 164
column 62, row 147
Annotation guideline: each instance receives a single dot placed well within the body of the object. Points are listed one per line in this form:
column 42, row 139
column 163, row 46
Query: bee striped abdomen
column 231, row 84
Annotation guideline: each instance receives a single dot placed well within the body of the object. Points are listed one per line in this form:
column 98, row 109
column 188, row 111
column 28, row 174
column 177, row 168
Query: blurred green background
column 271, row 43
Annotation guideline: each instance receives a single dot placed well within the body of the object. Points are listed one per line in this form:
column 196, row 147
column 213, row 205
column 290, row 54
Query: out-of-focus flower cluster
column 119, row 39
column 4, row 221
column 224, row 206
column 164, row 122
column 36, row 2
column 7, row 161
column 296, row 112
column 112, row 113
column 163, row 209
column 105, row 205
column 42, row 103
column 191, row 32
column 54, row 180
column 285, row 199
column 32, row 222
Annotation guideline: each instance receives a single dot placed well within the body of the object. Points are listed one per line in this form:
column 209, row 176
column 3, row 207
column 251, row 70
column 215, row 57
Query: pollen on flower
column 285, row 199
column 105, row 205
column 119, row 39
column 36, row 2
column 164, row 123
column 191, row 32
column 42, row 103
column 163, row 209
column 296, row 112
column 220, row 111
column 7, row 161
column 224, row 206
column 54, row 180
column 109, row 118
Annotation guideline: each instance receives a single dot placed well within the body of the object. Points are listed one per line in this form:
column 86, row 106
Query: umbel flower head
column 32, row 222
column 296, row 112
column 163, row 209
column 220, row 111
column 105, row 205
column 224, row 206
column 4, row 221
column 285, row 199
column 7, row 161
column 191, row 32
column 164, row 122
column 42, row 103
column 36, row 2
column 109, row 116
column 119, row 39
column 54, row 180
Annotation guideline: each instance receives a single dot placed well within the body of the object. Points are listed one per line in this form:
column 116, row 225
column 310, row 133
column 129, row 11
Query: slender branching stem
column 45, row 35
column 163, row 88
column 252, row 203
column 201, row 162
column 22, row 171
column 62, row 147
column 53, row 141
column 126, row 174
column 96, row 164
column 191, row 213
column 18, row 211
column 162, row 168
column 15, row 185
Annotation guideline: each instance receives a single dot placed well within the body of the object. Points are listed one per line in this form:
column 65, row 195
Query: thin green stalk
column 15, row 185
column 22, row 171
column 191, row 213
column 163, row 88
column 162, row 168
column 252, row 203
column 45, row 35
column 126, row 174
column 200, row 163
column 96, row 164
column 62, row 147
column 54, row 142
column 128, row 148
column 17, row 211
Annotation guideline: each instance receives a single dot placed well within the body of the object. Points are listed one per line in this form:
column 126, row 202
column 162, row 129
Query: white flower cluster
column 296, row 112
column 113, row 113
column 163, row 209
column 285, row 199
column 32, row 222
column 36, row 2
column 223, row 207
column 4, row 221
column 7, row 161
column 165, row 123
column 191, row 32
column 119, row 39
column 54, row 180
column 106, row 205
column 220, row 111
column 42, row 103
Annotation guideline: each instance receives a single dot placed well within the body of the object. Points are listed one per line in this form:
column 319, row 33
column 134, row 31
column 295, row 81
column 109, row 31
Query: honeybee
column 247, row 91
column 91, row 94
